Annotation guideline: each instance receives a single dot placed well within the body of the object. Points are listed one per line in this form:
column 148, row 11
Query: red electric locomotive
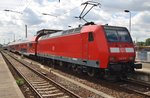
column 92, row 48
column 102, row 49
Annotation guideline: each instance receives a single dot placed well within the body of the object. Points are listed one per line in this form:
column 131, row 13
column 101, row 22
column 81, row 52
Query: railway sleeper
column 46, row 89
column 64, row 97
column 53, row 95
column 48, row 92
column 147, row 93
column 38, row 82
column 43, row 84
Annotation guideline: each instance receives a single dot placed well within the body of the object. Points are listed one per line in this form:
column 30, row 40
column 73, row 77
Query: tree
column 147, row 42
column 140, row 43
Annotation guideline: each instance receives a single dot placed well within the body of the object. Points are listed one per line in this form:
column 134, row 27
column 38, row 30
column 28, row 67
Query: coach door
column 87, row 40
column 85, row 46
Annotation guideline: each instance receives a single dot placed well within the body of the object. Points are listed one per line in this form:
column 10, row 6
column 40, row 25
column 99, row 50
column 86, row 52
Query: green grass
column 20, row 81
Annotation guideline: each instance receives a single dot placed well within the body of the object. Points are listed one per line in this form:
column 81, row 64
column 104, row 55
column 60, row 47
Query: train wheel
column 124, row 76
column 61, row 64
column 74, row 67
column 49, row 62
column 79, row 69
column 69, row 66
column 109, row 77
column 91, row 72
column 52, row 65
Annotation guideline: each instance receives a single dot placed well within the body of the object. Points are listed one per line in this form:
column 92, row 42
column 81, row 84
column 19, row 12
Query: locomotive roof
column 48, row 31
column 60, row 33
column 85, row 28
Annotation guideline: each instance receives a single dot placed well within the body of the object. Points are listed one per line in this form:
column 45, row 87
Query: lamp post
column 4, row 42
column 12, row 11
column 127, row 11
column 26, row 31
column 49, row 15
column 14, row 37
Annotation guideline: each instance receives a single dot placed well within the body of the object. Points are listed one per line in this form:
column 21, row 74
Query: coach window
column 30, row 45
column 90, row 37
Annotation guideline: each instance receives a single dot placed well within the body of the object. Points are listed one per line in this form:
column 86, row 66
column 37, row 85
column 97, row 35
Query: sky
column 62, row 16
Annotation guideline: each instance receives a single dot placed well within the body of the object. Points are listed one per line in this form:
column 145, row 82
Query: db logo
column 122, row 50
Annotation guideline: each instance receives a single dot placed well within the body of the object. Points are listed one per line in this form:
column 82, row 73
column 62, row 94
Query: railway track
column 133, row 86
column 137, row 87
column 42, row 86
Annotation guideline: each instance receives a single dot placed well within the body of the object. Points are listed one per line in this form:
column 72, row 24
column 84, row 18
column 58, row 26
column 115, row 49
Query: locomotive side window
column 90, row 37
column 78, row 29
column 70, row 31
column 64, row 32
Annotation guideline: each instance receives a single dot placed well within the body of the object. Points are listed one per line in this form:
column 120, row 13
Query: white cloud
column 31, row 18
column 142, row 18
column 111, row 12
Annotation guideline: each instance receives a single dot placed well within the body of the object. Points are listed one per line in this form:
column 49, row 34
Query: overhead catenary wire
column 60, row 15
column 28, row 4
column 19, row 3
column 57, row 16
column 82, row 14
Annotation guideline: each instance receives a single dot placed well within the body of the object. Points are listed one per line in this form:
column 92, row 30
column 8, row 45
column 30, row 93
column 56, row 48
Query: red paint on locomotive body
column 67, row 46
column 98, row 49
column 76, row 45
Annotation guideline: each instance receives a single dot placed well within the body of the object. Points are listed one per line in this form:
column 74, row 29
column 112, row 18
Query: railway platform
column 144, row 73
column 8, row 86
column 145, row 68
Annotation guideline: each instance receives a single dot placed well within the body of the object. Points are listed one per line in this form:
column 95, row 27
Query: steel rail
column 70, row 93
column 139, row 83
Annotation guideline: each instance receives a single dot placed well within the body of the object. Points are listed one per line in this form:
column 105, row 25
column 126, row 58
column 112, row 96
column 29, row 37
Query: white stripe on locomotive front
column 129, row 49
column 114, row 50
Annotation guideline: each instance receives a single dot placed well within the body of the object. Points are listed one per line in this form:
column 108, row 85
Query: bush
column 20, row 81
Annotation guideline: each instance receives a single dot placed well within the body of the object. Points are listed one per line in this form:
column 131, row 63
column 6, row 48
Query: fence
column 143, row 56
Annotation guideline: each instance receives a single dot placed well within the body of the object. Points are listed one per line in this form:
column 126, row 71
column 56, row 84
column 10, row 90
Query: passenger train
column 95, row 49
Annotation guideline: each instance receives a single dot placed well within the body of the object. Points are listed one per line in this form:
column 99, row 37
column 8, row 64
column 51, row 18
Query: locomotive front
column 121, row 50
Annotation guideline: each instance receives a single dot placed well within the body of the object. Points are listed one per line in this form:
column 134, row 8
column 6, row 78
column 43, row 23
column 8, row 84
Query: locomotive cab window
column 117, row 34
column 90, row 37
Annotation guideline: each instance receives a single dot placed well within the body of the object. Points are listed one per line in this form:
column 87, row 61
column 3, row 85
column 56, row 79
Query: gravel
column 95, row 83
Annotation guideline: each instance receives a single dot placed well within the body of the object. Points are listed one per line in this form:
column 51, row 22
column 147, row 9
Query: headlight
column 112, row 58
column 131, row 58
